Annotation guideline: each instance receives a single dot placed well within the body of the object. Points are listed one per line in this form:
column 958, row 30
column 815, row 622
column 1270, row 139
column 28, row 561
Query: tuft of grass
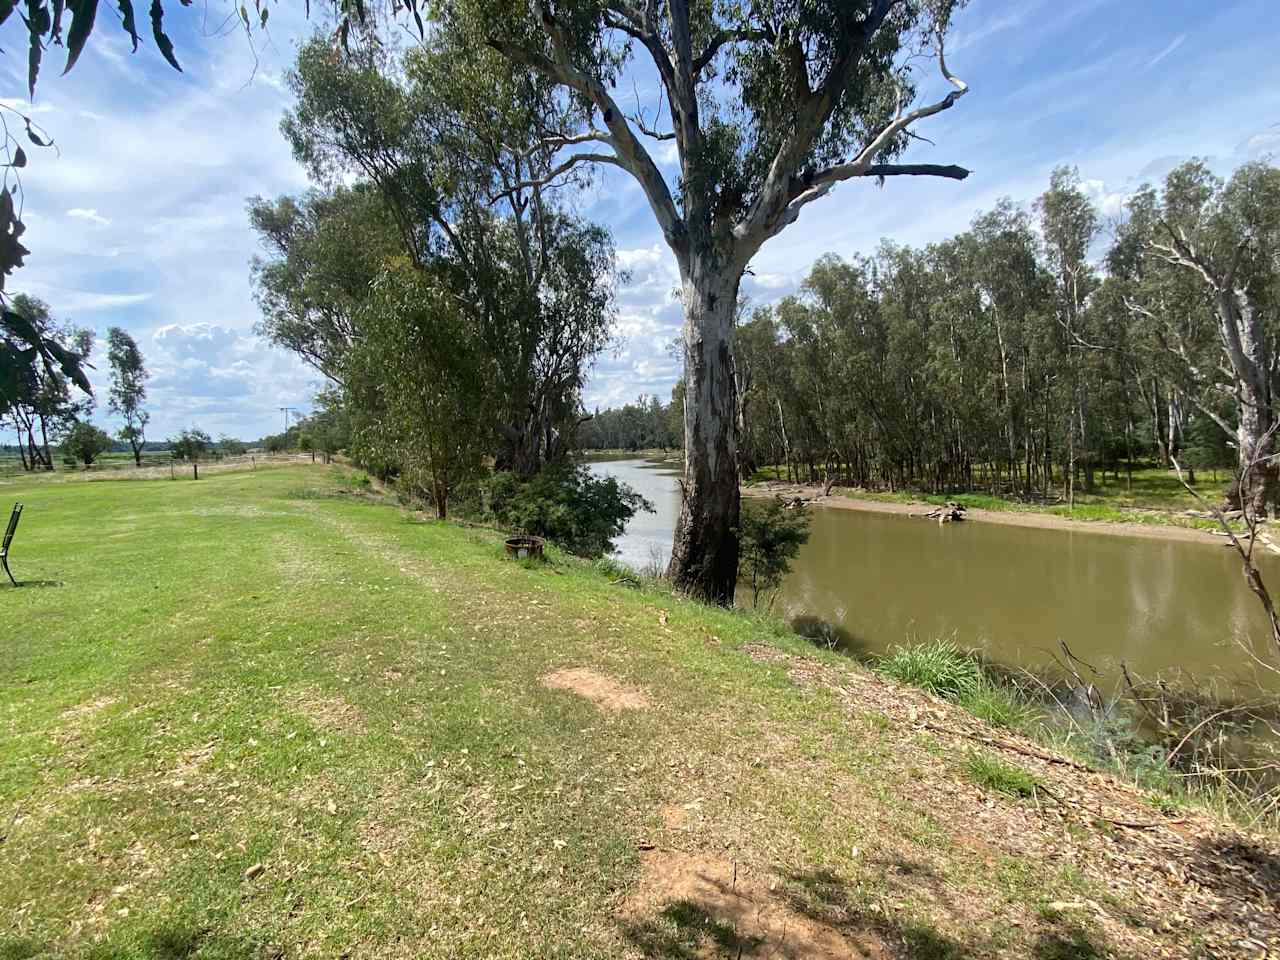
column 992, row 773
column 938, row 666
column 999, row 706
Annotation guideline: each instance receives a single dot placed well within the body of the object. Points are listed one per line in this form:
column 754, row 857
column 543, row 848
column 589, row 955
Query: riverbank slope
column 269, row 714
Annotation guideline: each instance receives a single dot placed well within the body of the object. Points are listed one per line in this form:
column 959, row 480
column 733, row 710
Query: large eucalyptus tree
column 1209, row 288
column 769, row 106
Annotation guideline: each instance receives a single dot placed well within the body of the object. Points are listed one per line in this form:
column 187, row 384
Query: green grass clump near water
column 992, row 773
column 937, row 666
column 942, row 668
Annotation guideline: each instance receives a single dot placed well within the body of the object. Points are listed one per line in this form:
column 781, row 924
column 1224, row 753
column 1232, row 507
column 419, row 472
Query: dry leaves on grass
column 1173, row 879
column 324, row 711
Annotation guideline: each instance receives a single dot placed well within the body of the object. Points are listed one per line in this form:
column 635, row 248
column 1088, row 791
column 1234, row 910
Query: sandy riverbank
column 1013, row 518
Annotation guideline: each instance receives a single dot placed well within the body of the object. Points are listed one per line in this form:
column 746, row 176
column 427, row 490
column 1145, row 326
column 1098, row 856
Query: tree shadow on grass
column 169, row 941
column 827, row 917
column 37, row 583
column 1065, row 941
column 685, row 931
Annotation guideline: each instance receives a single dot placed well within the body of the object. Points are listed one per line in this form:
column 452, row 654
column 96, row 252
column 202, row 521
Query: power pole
column 286, row 411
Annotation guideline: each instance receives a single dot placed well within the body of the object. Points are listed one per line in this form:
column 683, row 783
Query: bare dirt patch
column 605, row 692
column 325, row 710
column 82, row 711
column 674, row 816
column 729, row 909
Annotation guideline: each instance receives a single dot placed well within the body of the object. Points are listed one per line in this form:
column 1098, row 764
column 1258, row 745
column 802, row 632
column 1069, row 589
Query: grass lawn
column 267, row 715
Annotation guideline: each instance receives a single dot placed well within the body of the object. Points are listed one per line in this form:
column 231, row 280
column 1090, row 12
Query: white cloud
column 70, row 303
column 91, row 214
column 1262, row 144
column 1110, row 203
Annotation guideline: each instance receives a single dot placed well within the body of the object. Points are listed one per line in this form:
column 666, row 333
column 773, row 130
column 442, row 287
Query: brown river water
column 876, row 580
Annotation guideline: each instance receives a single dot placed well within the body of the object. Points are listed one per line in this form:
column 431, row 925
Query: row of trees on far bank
column 1030, row 351
column 647, row 424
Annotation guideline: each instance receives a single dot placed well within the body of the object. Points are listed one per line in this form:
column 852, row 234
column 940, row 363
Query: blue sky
column 140, row 221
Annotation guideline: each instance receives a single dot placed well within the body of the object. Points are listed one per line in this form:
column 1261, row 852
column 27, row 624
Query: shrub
column 191, row 445
column 992, row 773
column 939, row 666
column 84, row 442
column 568, row 505
column 770, row 537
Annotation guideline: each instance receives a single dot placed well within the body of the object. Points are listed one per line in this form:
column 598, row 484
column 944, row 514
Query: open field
column 154, row 467
column 269, row 715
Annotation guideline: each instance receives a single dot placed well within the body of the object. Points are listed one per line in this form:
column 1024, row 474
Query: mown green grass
column 275, row 668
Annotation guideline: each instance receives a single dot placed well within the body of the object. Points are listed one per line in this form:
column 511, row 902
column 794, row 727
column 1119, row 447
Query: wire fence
column 155, row 465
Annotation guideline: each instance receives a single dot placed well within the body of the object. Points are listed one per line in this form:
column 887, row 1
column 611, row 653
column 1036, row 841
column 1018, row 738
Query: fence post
column 195, row 470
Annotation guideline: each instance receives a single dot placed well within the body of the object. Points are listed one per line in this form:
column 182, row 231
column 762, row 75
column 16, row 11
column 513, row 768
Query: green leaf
column 33, row 60
column 55, row 29
column 162, row 41
column 7, row 7
column 128, row 23
column 34, row 138
column 20, row 327
column 83, row 14
column 70, row 362
column 19, row 158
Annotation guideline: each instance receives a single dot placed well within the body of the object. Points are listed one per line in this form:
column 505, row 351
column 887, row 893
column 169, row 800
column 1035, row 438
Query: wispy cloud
column 1174, row 44
column 90, row 214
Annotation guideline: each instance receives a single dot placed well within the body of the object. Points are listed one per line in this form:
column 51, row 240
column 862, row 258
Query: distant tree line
column 647, row 424
column 1032, row 351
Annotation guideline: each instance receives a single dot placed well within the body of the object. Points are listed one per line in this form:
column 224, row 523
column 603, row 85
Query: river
column 874, row 580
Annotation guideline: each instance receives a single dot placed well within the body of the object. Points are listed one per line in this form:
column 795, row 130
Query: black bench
column 8, row 539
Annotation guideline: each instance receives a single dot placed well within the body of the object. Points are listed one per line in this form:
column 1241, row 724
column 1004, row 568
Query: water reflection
column 875, row 580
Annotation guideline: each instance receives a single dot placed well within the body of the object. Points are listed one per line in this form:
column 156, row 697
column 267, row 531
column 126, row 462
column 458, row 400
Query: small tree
column 1207, row 447
column 128, row 389
column 231, row 447
column 423, row 361
column 84, row 442
column 771, row 537
column 191, row 445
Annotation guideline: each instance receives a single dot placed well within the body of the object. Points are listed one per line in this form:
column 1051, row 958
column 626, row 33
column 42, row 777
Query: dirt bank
column 1013, row 518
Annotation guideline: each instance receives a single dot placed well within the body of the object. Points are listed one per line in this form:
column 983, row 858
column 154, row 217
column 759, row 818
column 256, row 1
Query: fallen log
column 949, row 512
